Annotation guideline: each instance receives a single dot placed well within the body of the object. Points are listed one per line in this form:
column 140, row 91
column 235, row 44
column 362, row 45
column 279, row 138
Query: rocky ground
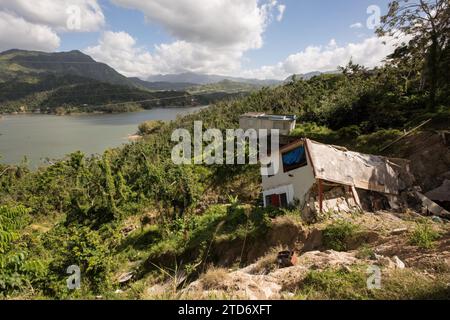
column 409, row 269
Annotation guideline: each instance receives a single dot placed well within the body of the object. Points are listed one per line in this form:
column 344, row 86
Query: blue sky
column 245, row 37
column 309, row 22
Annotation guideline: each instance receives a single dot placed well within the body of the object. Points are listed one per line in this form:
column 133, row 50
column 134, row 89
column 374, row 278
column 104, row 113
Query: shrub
column 351, row 284
column 424, row 236
column 214, row 279
column 17, row 269
column 349, row 132
column 88, row 249
column 407, row 284
column 337, row 235
column 149, row 127
column 314, row 131
column 339, row 284
column 268, row 262
column 372, row 143
column 365, row 252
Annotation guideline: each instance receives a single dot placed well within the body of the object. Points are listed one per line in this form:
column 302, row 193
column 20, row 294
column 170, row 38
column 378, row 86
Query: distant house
column 260, row 120
column 319, row 177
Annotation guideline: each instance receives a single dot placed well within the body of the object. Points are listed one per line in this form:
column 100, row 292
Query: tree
column 427, row 24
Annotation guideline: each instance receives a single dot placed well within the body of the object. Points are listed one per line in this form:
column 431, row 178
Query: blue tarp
column 295, row 156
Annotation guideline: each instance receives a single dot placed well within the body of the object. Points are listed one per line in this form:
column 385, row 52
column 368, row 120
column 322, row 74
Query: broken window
column 277, row 200
column 294, row 159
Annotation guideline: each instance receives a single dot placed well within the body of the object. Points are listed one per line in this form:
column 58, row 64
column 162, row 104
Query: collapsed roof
column 440, row 194
column 364, row 171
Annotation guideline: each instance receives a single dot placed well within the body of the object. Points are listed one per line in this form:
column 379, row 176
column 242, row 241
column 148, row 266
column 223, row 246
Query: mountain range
column 39, row 80
column 79, row 64
column 32, row 81
column 199, row 79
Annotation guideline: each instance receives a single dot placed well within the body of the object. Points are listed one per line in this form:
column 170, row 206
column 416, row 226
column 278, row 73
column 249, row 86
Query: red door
column 275, row 200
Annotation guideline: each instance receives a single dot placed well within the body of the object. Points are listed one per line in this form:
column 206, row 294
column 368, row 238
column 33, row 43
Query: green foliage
column 350, row 284
column 424, row 236
column 338, row 284
column 149, row 127
column 87, row 200
column 194, row 235
column 314, row 131
column 12, row 220
column 225, row 86
column 88, row 250
column 352, row 131
column 427, row 23
column 337, row 235
column 17, row 269
column 373, row 142
column 365, row 252
column 406, row 284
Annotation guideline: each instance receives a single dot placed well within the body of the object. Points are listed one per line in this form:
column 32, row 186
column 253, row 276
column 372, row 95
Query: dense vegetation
column 76, row 211
column 71, row 94
column 225, row 86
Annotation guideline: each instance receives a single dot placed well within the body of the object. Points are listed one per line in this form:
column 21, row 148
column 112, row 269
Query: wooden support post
column 320, row 196
column 356, row 197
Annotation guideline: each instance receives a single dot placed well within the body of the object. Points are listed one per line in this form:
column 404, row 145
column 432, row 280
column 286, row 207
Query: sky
column 264, row 39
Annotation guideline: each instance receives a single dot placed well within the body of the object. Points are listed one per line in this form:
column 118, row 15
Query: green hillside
column 132, row 211
column 73, row 82
column 19, row 63
column 76, row 210
column 225, row 86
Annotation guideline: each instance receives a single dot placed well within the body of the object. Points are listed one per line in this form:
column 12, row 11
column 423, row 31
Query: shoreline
column 96, row 112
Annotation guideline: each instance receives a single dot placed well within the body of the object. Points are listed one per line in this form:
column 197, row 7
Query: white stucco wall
column 284, row 126
column 299, row 180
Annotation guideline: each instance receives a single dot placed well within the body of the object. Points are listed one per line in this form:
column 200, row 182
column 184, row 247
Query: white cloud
column 210, row 36
column 370, row 53
column 119, row 50
column 357, row 25
column 281, row 10
column 220, row 23
column 183, row 56
column 16, row 33
column 55, row 14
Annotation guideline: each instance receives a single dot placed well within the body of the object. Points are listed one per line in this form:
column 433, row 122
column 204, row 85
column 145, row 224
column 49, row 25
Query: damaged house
column 320, row 178
column 259, row 120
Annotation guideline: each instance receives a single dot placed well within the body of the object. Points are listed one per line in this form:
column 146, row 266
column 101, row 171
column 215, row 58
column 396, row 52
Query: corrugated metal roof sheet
column 363, row 171
column 440, row 194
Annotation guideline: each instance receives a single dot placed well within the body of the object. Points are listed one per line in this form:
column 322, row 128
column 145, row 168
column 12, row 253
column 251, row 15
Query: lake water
column 47, row 136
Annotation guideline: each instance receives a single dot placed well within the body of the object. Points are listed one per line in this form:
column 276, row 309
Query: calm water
column 46, row 136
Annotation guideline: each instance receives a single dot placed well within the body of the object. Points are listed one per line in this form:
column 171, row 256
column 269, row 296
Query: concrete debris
column 323, row 259
column 399, row 231
column 390, row 263
column 433, row 207
column 398, row 263
column 244, row 284
column 125, row 277
column 441, row 193
column 157, row 290
column 385, row 261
